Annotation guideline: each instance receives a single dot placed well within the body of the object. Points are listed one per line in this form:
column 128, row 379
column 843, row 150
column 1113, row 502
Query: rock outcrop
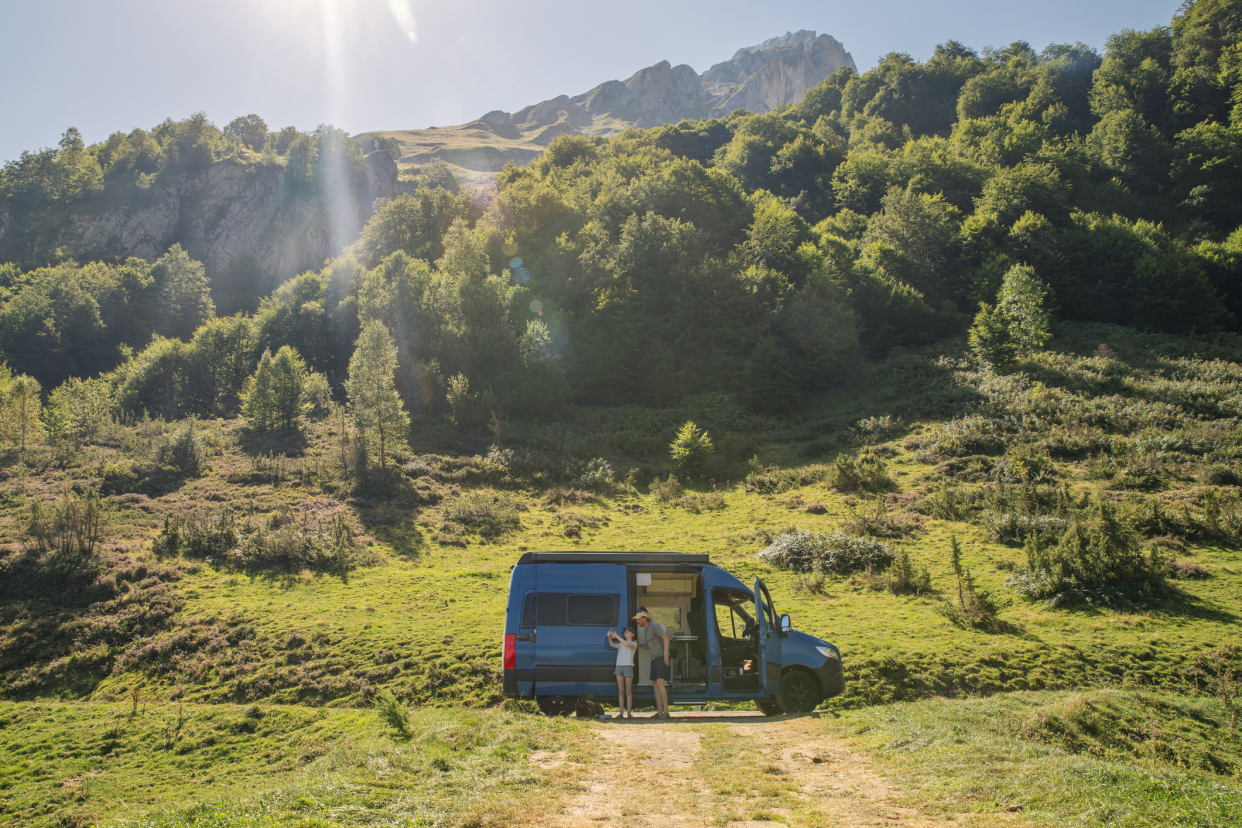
column 230, row 216
column 757, row 78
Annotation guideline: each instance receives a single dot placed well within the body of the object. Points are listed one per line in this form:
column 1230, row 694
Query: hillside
column 947, row 352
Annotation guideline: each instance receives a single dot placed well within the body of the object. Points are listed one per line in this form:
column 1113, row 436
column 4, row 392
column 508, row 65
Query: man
column 653, row 637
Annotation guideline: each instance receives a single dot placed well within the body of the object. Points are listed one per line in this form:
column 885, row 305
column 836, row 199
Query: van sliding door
column 577, row 605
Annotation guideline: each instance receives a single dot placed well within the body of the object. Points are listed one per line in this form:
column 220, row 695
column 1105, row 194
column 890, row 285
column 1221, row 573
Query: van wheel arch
column 556, row 705
column 799, row 691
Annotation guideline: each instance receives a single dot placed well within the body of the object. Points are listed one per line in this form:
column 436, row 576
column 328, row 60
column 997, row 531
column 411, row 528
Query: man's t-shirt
column 653, row 637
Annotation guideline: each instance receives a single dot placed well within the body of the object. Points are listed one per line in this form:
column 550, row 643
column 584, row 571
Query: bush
column 1014, row 528
column 393, row 713
column 487, row 513
column 282, row 542
column 773, row 480
column 598, row 476
column 665, row 491
column 72, row 529
column 1097, row 560
column 904, row 578
column 183, row 451
column 823, row 552
column 864, row 472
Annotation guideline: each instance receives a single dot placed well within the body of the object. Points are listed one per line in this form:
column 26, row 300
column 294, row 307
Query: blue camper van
column 726, row 641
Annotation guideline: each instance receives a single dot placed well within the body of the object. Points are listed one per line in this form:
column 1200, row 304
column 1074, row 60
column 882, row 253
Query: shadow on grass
column 407, row 541
column 290, row 443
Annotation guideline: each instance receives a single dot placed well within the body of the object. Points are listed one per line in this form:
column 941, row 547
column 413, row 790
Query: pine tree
column 955, row 552
column 990, row 338
column 1021, row 299
column 691, row 448
column 289, row 377
column 22, row 407
column 374, row 406
column 258, row 400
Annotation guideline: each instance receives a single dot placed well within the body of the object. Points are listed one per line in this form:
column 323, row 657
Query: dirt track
column 755, row 772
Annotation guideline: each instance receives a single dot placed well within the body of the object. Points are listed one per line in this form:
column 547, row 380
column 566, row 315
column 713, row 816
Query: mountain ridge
column 757, row 78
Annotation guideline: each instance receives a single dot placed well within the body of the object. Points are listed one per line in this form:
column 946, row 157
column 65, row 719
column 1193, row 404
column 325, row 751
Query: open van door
column 764, row 637
column 770, row 662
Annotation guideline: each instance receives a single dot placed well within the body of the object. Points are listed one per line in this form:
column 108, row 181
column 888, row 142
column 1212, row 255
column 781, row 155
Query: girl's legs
column 622, row 681
column 629, row 693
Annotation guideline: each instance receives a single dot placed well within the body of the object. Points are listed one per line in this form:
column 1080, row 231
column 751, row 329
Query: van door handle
column 530, row 638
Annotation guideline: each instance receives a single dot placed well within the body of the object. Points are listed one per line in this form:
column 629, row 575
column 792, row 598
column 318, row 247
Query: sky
column 367, row 65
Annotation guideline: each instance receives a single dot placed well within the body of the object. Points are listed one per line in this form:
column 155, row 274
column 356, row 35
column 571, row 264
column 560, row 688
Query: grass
column 1097, row 757
column 1153, row 429
column 74, row 764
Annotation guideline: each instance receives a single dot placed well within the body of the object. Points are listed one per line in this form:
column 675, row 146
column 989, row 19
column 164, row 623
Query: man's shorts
column 627, row 670
column 660, row 670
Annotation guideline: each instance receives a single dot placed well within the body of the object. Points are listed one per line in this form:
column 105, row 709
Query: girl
column 625, row 647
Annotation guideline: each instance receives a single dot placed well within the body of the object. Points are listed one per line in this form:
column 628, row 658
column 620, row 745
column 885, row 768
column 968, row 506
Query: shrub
column 393, row 713
column 282, row 542
column 1014, row 528
column 975, row 608
column 598, row 476
column 904, row 578
column 691, row 449
column 490, row 514
column 823, row 552
column 708, row 502
column 72, row 529
column 874, row 429
column 1097, row 560
column 665, row 491
column 773, row 480
column 183, row 451
column 862, row 472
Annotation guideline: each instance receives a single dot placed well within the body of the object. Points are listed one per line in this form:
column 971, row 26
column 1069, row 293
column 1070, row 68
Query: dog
column 588, row 708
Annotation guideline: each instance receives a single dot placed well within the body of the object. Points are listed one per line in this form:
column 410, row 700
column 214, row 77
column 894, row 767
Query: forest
column 760, row 256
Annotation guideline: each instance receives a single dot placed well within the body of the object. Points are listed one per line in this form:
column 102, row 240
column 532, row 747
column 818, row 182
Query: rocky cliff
column 245, row 221
column 757, row 78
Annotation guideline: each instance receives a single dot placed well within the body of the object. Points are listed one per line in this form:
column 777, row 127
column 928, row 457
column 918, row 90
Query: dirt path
column 736, row 772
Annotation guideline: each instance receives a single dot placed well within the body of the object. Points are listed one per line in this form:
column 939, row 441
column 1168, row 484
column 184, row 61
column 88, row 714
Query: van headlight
column 827, row 652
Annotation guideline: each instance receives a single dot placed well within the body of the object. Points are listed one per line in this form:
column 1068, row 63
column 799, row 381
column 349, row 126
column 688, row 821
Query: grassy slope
column 424, row 618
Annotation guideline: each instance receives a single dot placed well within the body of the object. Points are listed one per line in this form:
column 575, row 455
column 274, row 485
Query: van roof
column 614, row 557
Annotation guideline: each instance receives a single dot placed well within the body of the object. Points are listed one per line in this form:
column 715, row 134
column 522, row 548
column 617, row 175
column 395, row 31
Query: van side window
column 529, row 609
column 592, row 610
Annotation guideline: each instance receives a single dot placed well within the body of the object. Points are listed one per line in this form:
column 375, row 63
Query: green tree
column 22, row 409
column 1022, row 300
column 250, row 130
column 692, row 448
column 990, row 338
column 275, row 395
column 374, row 406
column 185, row 294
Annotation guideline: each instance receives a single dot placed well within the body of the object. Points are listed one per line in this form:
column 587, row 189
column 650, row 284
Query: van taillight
column 511, row 651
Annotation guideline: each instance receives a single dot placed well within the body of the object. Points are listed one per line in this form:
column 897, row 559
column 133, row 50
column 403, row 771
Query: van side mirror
column 786, row 623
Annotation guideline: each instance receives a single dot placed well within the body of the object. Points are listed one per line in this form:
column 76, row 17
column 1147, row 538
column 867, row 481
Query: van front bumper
column 831, row 677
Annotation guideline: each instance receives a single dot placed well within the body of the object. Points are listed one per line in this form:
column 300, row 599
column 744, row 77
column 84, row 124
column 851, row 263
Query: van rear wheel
column 556, row 705
column 768, row 708
column 798, row 693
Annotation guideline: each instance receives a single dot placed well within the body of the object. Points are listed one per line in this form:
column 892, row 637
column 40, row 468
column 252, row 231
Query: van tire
column 768, row 708
column 556, row 705
column 798, row 693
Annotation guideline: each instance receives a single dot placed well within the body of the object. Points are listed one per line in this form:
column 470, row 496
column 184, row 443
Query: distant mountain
column 757, row 78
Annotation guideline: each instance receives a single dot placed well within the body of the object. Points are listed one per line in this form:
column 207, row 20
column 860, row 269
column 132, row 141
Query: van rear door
column 577, row 605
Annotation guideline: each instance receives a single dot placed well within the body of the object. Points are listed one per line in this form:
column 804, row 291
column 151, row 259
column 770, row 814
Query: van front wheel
column 798, row 693
column 555, row 705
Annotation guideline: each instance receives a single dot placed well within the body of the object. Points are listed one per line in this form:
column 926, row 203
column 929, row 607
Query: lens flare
column 536, row 307
column 516, row 264
column 404, row 15
column 521, row 276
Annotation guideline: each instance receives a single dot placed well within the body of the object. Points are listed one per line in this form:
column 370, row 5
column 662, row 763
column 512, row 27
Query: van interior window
column 739, row 640
column 675, row 600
